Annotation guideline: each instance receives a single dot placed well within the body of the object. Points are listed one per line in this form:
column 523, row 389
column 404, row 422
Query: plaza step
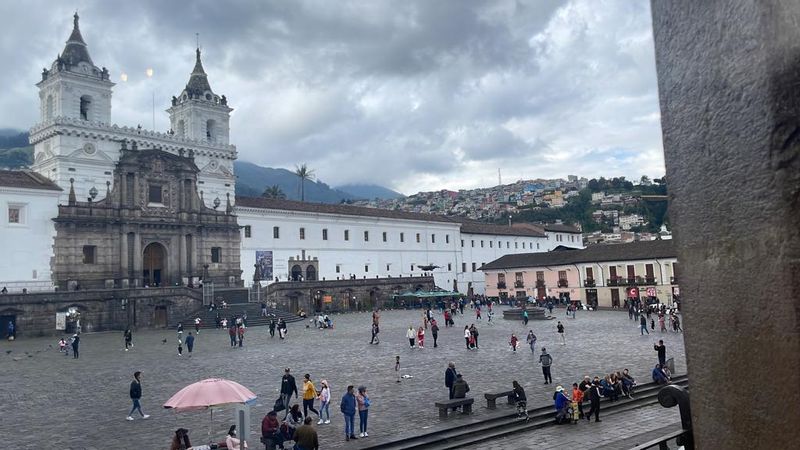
column 253, row 310
column 473, row 432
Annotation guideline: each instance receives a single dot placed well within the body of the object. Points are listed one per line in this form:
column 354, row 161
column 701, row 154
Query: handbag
column 279, row 406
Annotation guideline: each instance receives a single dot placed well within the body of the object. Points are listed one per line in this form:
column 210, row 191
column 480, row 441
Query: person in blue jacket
column 561, row 404
column 348, row 408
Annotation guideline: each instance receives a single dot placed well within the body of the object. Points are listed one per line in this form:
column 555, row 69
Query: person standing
column 309, row 394
column 446, row 318
column 325, row 401
column 76, row 344
column 241, row 334
column 474, row 333
column 560, row 329
column 546, row 361
column 128, row 339
column 397, row 367
column 282, row 329
column 197, row 322
column 362, row 399
column 411, row 335
column 180, row 346
column 531, row 339
column 594, row 400
column 190, row 343
column 232, row 334
column 513, row 342
column 661, row 349
column 421, row 338
column 305, row 437
column 577, row 399
column 643, row 324
column 467, row 335
column 136, row 395
column 180, row 328
column 263, row 309
column 525, row 317
column 288, row 387
column 272, row 328
column 434, row 332
column 450, row 376
column 348, row 409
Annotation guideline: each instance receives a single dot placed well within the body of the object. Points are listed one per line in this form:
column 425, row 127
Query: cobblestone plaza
column 53, row 401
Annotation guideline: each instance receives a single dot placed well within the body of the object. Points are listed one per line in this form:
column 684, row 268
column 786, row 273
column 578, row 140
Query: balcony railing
column 636, row 281
column 501, row 285
column 540, row 283
column 563, row 283
column 617, row 281
column 589, row 282
column 519, row 284
column 647, row 281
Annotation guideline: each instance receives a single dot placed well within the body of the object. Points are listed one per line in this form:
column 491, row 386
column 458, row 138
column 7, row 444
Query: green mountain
column 369, row 191
column 252, row 180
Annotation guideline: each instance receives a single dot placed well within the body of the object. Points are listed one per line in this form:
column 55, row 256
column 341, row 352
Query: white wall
column 28, row 246
column 483, row 248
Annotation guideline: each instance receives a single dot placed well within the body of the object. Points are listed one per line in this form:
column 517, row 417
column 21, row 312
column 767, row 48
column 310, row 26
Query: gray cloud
column 412, row 95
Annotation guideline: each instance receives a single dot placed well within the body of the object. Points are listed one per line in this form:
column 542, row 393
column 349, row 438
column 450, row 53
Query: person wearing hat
column 288, row 387
column 561, row 403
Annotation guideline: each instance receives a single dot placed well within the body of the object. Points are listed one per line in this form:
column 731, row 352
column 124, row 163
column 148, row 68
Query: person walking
column 241, row 334
column 467, row 335
column 661, row 349
column 411, row 335
column 136, row 396
column 421, row 337
column 76, row 344
column 397, row 367
column 288, row 387
column 128, row 339
column 190, row 343
column 362, row 399
column 348, row 409
column 662, row 322
column 325, row 402
column 309, row 394
column 450, row 376
column 652, row 324
column 513, row 342
column 282, row 329
column 594, row 401
column 525, row 317
column 435, row 332
column 375, row 331
column 197, row 322
column 643, row 324
column 546, row 361
column 180, row 346
column 272, row 328
column 531, row 339
column 560, row 329
column 474, row 332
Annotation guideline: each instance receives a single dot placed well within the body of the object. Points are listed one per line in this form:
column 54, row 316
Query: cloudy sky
column 412, row 95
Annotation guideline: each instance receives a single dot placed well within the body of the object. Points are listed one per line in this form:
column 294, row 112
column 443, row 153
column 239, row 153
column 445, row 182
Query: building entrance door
column 154, row 265
column 615, row 298
column 160, row 317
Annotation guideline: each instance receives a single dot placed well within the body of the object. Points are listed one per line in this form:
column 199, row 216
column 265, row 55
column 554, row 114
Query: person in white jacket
column 411, row 335
column 325, row 398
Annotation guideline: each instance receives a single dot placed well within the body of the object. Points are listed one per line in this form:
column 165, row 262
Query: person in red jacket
column 513, row 342
column 577, row 397
column 270, row 429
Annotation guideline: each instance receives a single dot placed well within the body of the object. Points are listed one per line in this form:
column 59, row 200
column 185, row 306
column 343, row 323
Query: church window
column 211, row 131
column 418, row 238
column 276, row 232
column 491, row 244
column 15, row 214
column 463, row 267
column 324, row 234
column 338, row 268
column 346, row 235
column 384, row 236
column 302, row 233
column 446, row 238
column 449, row 267
column 248, row 231
column 89, row 256
column 474, row 267
column 366, row 267
column 402, row 237
column 155, row 194
column 366, row 236
column 433, row 238
column 216, row 254
column 86, row 103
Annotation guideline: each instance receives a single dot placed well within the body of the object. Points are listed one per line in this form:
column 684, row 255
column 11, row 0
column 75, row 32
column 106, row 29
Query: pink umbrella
column 209, row 394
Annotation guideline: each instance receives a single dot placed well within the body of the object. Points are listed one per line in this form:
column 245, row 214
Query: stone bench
column 464, row 403
column 491, row 398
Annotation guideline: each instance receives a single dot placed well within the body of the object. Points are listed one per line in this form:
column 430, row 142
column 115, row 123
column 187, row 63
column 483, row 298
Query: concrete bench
column 464, row 403
column 491, row 398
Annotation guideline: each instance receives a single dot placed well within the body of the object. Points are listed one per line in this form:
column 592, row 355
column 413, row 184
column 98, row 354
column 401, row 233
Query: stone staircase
column 253, row 311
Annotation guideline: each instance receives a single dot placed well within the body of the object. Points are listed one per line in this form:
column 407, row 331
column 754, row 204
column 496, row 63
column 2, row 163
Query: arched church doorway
column 311, row 273
column 297, row 273
column 154, row 265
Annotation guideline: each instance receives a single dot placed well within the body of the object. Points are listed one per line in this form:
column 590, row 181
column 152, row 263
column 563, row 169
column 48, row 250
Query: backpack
column 546, row 359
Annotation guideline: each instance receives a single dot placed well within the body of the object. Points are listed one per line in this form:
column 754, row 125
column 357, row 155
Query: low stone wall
column 342, row 295
column 100, row 310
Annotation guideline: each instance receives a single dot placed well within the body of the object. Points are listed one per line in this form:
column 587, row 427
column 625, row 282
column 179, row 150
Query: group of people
column 280, row 326
column 661, row 312
column 569, row 405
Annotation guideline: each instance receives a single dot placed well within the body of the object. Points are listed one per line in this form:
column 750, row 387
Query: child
column 421, row 337
column 577, row 403
column 62, row 345
column 397, row 367
column 472, row 345
column 513, row 342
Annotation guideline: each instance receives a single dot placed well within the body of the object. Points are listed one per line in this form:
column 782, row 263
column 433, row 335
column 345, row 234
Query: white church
column 91, row 182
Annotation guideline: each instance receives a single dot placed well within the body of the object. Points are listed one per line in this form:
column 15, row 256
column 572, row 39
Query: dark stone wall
column 100, row 310
column 729, row 85
column 346, row 295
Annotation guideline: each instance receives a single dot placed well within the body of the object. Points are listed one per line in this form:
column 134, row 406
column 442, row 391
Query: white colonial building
column 83, row 161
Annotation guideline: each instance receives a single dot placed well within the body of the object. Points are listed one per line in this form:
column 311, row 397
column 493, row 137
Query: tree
column 645, row 180
column 274, row 192
column 303, row 173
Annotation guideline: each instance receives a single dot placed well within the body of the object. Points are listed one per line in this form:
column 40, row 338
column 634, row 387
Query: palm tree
column 304, row 173
column 274, row 191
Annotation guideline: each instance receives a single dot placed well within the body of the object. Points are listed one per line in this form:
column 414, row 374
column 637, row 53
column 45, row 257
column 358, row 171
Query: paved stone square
column 50, row 401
